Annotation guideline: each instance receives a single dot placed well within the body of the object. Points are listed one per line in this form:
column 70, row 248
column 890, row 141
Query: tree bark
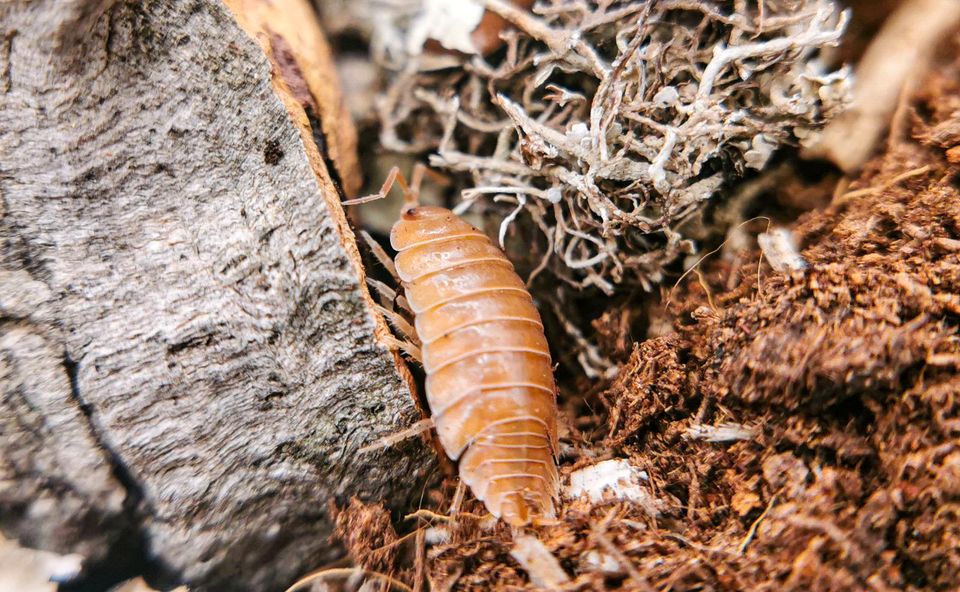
column 188, row 352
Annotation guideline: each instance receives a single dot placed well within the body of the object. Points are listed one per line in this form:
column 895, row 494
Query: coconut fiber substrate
column 796, row 430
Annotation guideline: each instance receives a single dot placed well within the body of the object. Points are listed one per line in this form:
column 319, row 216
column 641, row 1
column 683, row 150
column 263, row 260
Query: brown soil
column 846, row 373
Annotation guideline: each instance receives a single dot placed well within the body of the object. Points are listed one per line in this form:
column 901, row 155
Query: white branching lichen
column 609, row 123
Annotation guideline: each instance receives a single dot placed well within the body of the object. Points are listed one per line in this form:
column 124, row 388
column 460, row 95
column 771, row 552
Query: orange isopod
column 490, row 383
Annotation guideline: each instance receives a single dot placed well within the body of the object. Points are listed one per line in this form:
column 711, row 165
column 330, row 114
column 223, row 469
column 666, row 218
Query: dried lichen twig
column 610, row 123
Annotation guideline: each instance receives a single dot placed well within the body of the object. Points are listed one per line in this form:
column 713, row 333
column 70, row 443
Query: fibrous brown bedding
column 833, row 392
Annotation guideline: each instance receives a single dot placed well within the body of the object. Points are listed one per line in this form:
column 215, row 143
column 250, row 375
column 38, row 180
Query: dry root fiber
column 800, row 430
column 607, row 123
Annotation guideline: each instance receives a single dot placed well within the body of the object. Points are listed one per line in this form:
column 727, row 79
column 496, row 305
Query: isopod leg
column 415, row 430
column 385, row 291
column 400, row 324
column 394, row 176
column 457, row 498
column 380, row 255
column 387, row 295
column 411, row 191
column 404, row 346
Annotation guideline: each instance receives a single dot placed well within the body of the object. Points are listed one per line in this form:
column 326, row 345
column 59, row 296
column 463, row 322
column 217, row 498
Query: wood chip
column 540, row 564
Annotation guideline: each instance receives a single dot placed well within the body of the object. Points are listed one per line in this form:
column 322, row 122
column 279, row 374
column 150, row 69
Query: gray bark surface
column 187, row 349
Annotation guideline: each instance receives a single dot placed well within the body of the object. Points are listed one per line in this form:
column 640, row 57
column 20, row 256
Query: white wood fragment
column 601, row 562
column 29, row 570
column 780, row 249
column 539, row 563
column 724, row 432
column 615, row 480
column 760, row 152
column 449, row 22
column 437, row 535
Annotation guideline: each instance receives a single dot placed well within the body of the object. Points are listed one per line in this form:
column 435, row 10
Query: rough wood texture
column 305, row 71
column 187, row 350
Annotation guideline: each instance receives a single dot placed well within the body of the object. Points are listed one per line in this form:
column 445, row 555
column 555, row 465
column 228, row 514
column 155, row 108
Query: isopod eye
column 424, row 212
column 411, row 214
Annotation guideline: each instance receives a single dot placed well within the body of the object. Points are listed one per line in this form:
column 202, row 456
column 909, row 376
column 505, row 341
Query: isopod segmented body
column 490, row 382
